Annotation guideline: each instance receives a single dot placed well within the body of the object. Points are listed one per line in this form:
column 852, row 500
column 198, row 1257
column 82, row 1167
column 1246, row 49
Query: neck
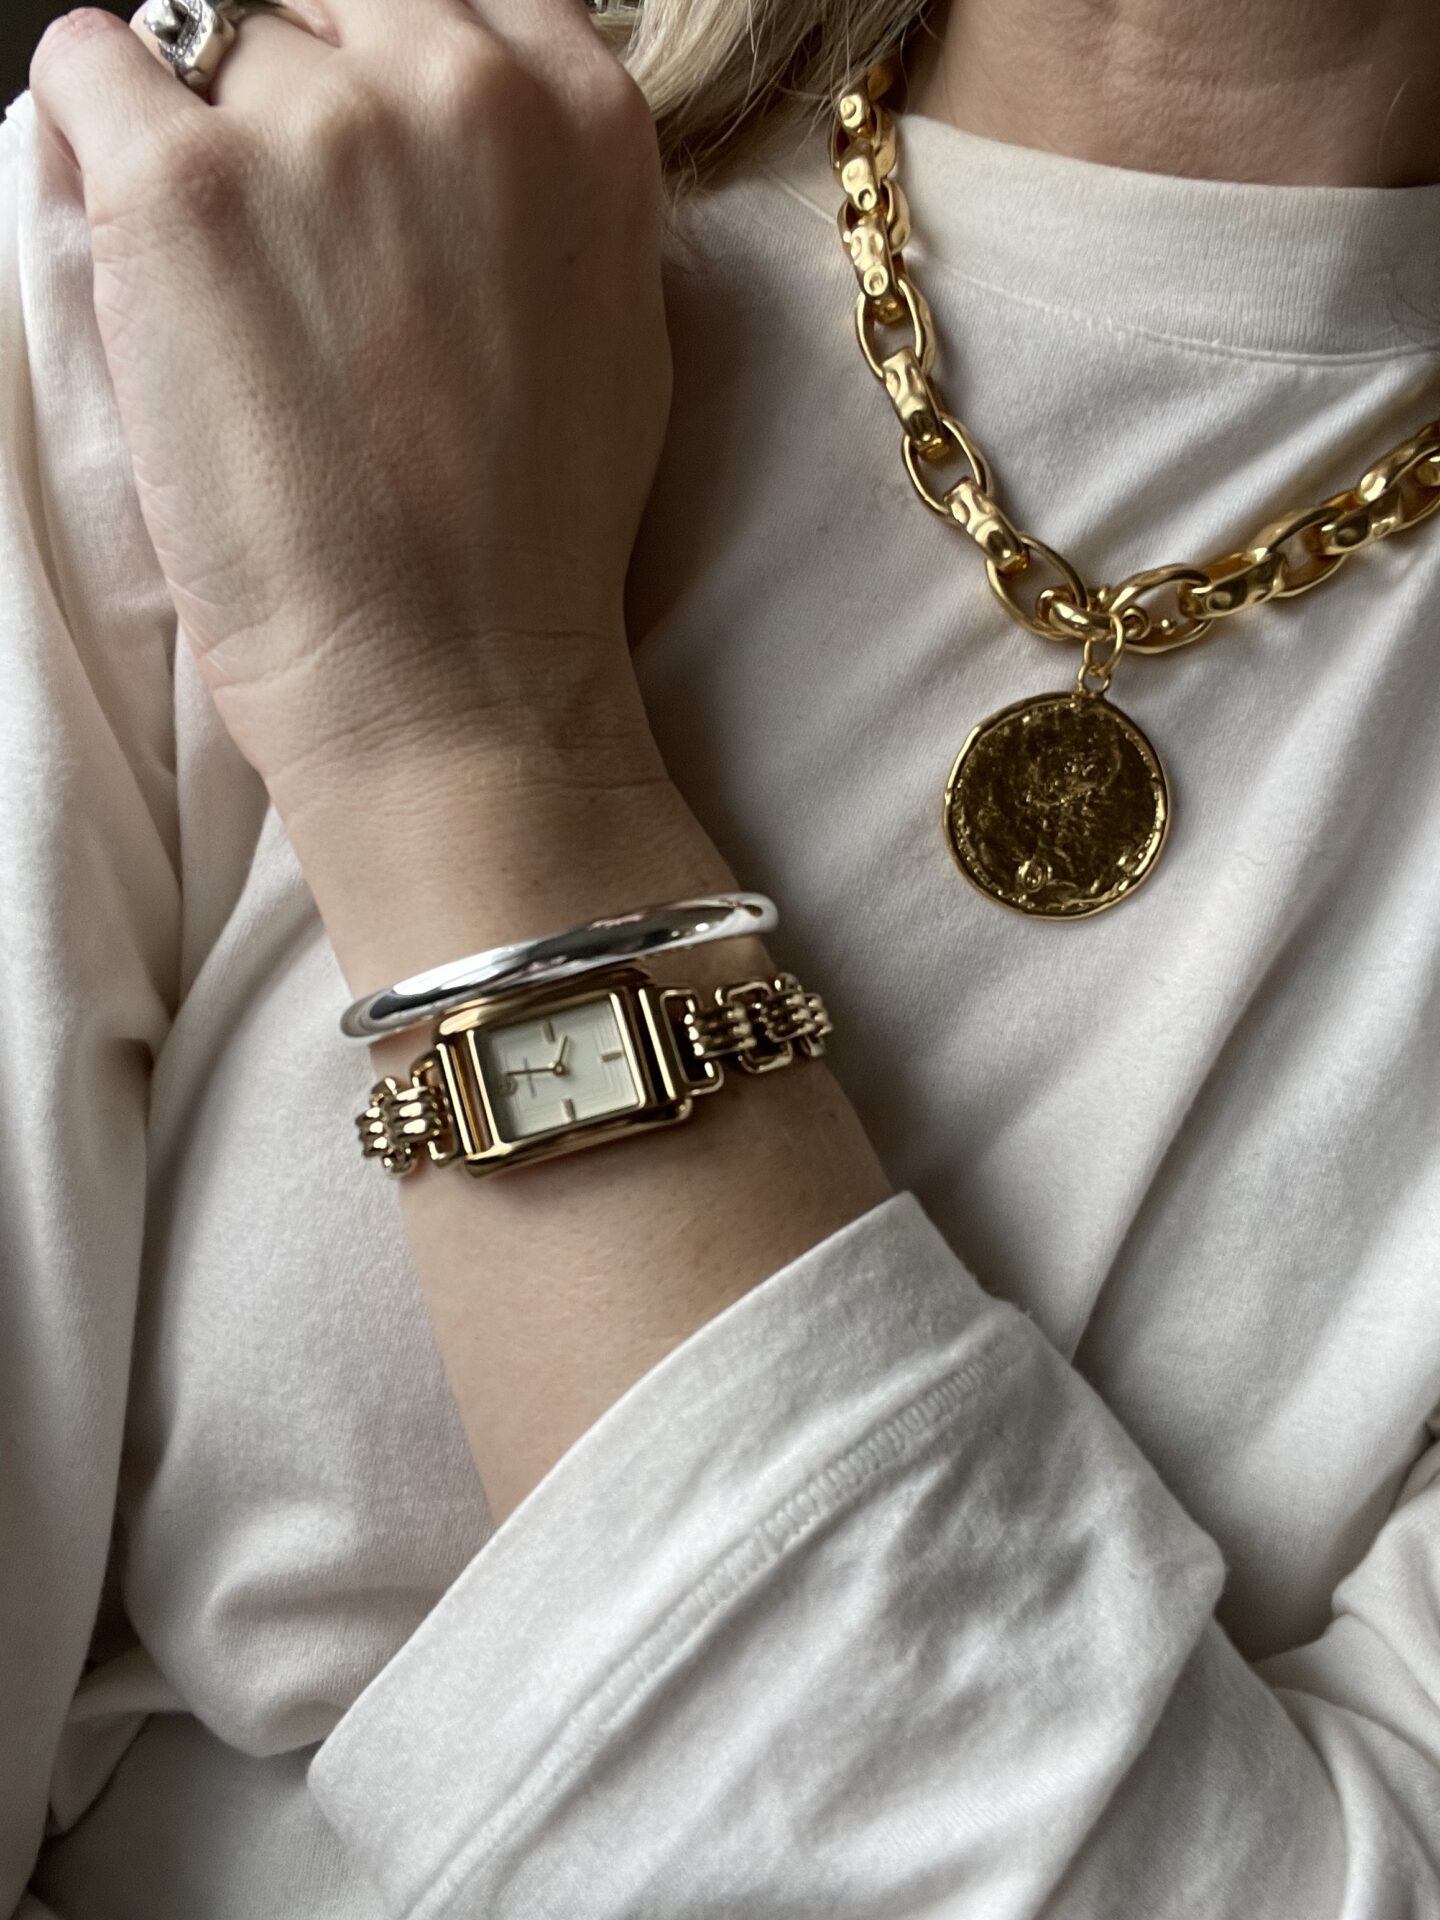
column 1297, row 92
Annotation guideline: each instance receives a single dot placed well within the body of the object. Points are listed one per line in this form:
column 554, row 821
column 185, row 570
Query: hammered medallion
column 1057, row 806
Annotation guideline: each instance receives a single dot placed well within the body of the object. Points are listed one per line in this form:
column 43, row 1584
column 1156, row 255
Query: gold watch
column 526, row 1076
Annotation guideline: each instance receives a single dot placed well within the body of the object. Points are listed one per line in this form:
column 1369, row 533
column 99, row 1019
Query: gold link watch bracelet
column 1058, row 806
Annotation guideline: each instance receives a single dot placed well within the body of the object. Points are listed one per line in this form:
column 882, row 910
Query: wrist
column 389, row 711
column 474, row 860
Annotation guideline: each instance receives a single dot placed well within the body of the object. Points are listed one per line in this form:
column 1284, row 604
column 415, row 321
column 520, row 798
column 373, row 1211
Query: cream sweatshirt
column 1058, row 1541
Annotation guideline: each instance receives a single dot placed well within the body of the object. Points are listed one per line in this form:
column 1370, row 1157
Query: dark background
column 22, row 25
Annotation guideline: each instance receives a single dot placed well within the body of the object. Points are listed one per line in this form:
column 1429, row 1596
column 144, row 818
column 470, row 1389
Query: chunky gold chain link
column 1152, row 611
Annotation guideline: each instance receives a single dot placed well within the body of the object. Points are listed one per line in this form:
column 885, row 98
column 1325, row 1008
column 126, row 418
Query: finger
column 559, row 28
column 547, row 31
column 269, row 55
column 393, row 22
column 558, row 41
column 99, row 89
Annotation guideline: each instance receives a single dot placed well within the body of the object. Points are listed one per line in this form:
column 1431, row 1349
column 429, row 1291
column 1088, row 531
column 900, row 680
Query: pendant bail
column 1097, row 670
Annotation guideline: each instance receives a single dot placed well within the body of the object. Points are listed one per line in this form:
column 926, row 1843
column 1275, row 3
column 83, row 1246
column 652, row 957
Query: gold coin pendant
column 1057, row 806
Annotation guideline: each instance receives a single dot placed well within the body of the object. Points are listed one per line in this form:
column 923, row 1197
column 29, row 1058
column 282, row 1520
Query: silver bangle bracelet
column 558, row 956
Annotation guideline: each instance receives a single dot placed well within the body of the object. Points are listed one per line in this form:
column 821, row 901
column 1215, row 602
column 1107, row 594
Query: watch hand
column 528, row 1071
column 557, row 1065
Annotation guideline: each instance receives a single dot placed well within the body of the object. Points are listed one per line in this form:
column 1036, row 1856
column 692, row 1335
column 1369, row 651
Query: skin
column 428, row 236
column 1287, row 92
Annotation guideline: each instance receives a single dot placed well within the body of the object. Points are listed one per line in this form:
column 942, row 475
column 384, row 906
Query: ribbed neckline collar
column 1296, row 272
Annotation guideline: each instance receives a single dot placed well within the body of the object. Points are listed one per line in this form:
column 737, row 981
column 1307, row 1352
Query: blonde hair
column 718, row 72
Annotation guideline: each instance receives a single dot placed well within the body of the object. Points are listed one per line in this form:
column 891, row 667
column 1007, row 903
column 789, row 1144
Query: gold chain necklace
column 1058, row 806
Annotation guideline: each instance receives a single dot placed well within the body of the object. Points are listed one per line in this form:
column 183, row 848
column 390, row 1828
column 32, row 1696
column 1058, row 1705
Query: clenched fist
column 385, row 324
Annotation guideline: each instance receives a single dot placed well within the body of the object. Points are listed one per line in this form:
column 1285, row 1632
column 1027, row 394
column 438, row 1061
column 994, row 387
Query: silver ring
column 622, row 938
column 194, row 36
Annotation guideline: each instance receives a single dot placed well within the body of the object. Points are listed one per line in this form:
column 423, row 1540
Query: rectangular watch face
column 559, row 1069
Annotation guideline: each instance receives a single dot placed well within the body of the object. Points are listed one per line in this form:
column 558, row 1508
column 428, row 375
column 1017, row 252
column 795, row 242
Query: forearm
column 554, row 1287
column 433, row 476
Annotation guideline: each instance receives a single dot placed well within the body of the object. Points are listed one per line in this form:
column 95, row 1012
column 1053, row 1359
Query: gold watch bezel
column 667, row 1097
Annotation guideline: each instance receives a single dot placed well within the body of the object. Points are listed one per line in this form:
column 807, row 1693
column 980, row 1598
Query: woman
column 991, row 1470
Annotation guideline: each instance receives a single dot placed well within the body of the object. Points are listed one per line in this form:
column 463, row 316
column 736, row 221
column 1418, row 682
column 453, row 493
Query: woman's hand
column 387, row 331
column 385, row 325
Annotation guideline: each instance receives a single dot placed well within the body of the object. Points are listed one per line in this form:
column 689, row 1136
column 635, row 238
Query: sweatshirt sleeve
column 88, row 943
column 862, row 1605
